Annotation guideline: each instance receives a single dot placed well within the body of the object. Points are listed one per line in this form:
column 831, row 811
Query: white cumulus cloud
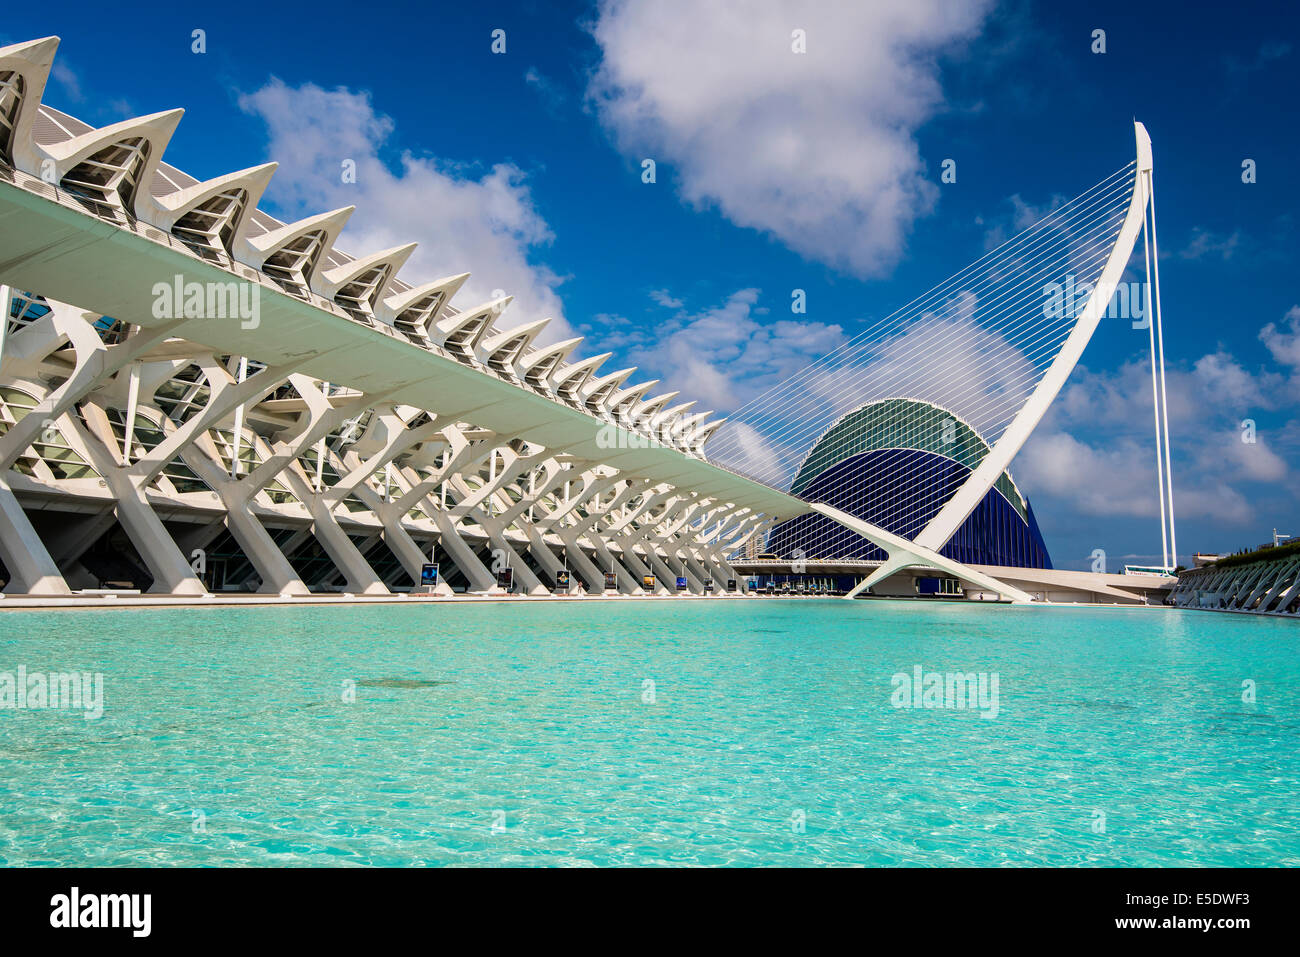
column 1284, row 344
column 816, row 148
column 727, row 354
column 465, row 220
column 1095, row 451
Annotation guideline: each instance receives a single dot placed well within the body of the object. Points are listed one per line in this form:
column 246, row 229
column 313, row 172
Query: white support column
column 6, row 300
column 893, row 563
column 132, row 404
column 320, row 450
column 1290, row 594
column 238, row 437
column 480, row 579
column 578, row 562
column 542, row 552
column 591, row 528
column 496, row 532
column 171, row 572
column 31, row 569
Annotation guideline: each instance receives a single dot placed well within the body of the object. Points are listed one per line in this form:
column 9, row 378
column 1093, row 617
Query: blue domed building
column 894, row 463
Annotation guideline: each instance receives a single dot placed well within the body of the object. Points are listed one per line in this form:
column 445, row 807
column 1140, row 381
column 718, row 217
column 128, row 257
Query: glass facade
column 894, row 464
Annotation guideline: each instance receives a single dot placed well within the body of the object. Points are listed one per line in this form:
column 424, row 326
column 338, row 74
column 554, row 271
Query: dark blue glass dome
column 894, row 463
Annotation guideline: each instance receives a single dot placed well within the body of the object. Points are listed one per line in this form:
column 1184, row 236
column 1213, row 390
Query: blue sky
column 525, row 169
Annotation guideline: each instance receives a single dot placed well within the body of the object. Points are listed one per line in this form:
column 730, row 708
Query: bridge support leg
column 903, row 552
column 896, row 561
column 31, row 569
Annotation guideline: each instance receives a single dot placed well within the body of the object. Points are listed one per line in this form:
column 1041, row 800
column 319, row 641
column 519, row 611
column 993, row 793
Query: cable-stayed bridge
column 981, row 354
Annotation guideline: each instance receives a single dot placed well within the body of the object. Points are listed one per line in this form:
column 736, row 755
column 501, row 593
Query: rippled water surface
column 528, row 733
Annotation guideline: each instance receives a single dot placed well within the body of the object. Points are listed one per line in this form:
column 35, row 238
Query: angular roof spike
column 422, row 305
column 538, row 365
column 630, row 395
column 570, row 378
column 72, row 150
column 165, row 211
column 689, row 422
column 32, row 61
column 254, row 179
column 505, row 336
column 702, row 434
column 502, row 350
column 613, row 378
column 290, row 255
column 482, row 315
column 495, row 309
column 598, row 392
column 255, row 251
column 650, row 406
column 664, row 419
column 156, row 128
column 461, row 332
column 36, row 52
column 329, row 281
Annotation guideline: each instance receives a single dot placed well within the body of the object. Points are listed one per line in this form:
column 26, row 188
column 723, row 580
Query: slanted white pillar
column 171, row 572
column 6, row 299
column 239, row 421
column 903, row 552
column 132, row 404
column 31, row 569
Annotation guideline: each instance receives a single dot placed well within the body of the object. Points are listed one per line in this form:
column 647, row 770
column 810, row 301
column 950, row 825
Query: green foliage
column 1288, row 550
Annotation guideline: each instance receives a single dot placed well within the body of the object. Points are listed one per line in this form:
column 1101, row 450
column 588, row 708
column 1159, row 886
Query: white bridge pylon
column 942, row 527
column 985, row 344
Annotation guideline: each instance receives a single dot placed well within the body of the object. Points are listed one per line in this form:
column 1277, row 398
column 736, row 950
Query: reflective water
column 678, row 732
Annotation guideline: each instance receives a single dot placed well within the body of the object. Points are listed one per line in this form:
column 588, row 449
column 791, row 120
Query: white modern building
column 196, row 397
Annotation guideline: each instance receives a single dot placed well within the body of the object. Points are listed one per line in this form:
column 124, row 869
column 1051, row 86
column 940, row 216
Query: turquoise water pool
column 528, row 733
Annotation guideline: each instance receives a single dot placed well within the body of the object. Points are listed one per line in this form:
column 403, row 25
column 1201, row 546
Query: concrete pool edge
column 112, row 601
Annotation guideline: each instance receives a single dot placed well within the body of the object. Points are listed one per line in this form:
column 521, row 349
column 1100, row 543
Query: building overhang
column 49, row 245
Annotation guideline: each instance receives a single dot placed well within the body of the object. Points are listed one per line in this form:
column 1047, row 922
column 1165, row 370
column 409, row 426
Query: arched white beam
column 30, row 62
column 949, row 518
